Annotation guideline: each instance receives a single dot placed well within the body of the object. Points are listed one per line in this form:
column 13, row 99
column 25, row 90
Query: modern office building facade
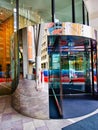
column 53, row 36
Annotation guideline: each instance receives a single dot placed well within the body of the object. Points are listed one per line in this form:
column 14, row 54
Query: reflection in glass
column 70, row 71
column 86, row 13
column 94, row 45
column 6, row 32
column 63, row 10
column 78, row 11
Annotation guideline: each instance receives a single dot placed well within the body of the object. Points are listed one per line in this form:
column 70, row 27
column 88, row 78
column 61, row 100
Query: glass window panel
column 85, row 15
column 6, row 31
column 63, row 10
column 34, row 11
column 78, row 11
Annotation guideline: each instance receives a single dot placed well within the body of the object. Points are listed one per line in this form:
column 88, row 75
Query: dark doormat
column 78, row 105
column 90, row 123
column 72, row 106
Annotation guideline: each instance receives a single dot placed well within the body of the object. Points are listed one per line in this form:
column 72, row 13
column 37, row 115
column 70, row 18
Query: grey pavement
column 12, row 120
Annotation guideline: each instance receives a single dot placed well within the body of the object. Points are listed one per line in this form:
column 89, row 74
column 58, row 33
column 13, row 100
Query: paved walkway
column 11, row 120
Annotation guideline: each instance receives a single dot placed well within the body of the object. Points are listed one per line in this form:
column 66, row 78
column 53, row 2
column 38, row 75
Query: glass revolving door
column 75, row 66
column 72, row 69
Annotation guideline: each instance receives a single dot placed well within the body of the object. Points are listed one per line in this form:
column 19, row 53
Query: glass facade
column 7, row 29
column 32, row 12
column 71, row 11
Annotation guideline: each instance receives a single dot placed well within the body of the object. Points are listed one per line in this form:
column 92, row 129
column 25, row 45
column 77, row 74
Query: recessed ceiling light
column 11, row 2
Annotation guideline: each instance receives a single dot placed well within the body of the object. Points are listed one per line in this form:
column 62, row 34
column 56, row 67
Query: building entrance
column 75, row 69
column 72, row 67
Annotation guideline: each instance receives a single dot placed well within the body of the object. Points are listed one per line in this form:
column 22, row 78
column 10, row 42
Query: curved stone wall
column 30, row 102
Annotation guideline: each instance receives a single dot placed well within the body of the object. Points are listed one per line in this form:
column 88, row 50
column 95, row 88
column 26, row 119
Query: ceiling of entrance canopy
column 43, row 8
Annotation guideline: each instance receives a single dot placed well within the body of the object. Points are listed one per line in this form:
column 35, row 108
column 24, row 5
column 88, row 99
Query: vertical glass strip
column 63, row 10
column 78, row 11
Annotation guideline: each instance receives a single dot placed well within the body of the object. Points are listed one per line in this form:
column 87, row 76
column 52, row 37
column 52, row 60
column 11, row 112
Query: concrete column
column 25, row 52
column 38, row 72
column 38, row 57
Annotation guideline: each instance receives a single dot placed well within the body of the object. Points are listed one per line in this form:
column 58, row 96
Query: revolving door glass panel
column 75, row 65
column 54, row 78
column 70, row 63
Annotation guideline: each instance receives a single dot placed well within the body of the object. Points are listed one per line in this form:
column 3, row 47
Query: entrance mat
column 78, row 105
column 90, row 123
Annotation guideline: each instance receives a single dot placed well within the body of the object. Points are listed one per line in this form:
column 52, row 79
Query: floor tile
column 42, row 128
column 7, row 116
column 28, row 126
column 39, row 123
